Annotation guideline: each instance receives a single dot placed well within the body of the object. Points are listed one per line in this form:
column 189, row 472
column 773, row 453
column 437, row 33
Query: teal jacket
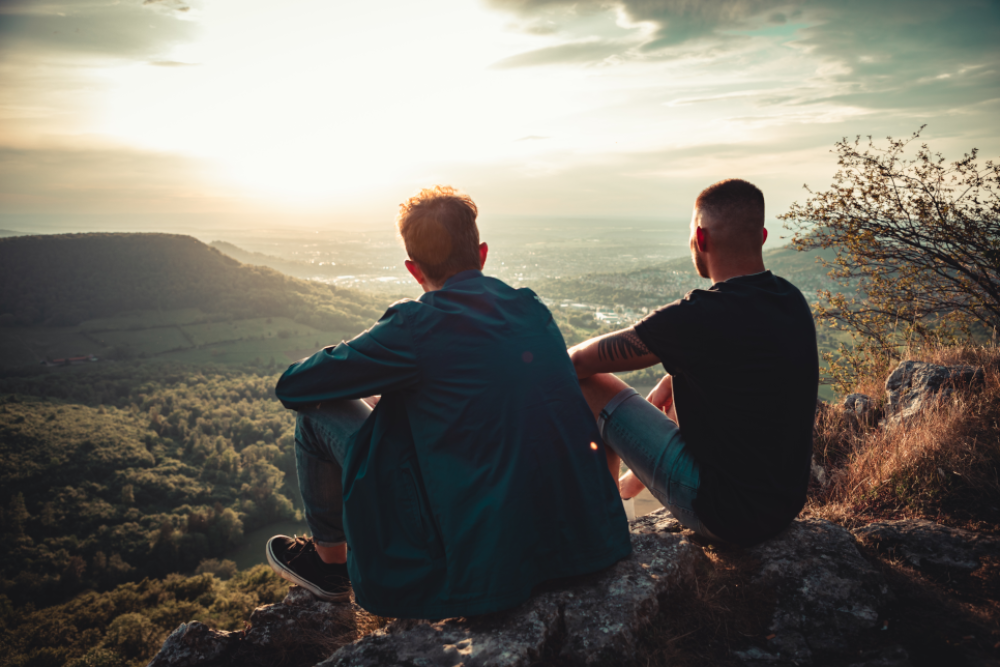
column 481, row 472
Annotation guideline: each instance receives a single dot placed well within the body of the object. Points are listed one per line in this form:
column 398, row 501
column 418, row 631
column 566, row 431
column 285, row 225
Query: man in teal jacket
column 480, row 472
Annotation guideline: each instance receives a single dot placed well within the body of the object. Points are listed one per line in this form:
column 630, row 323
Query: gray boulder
column 927, row 545
column 300, row 630
column 916, row 385
column 826, row 593
column 300, row 624
column 859, row 404
column 582, row 621
column 194, row 644
column 817, row 473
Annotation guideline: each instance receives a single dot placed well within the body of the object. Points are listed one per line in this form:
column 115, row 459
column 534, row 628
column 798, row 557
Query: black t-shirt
column 746, row 371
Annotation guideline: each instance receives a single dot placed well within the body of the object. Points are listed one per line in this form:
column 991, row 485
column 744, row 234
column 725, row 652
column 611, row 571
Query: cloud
column 676, row 21
column 573, row 52
column 170, row 63
column 174, row 5
column 881, row 54
column 126, row 30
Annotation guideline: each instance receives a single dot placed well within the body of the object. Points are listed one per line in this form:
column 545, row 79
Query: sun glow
column 313, row 108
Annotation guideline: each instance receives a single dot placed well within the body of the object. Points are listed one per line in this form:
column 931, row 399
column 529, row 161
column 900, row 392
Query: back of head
column 438, row 228
column 733, row 212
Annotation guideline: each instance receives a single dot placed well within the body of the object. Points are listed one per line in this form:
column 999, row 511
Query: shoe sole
column 282, row 571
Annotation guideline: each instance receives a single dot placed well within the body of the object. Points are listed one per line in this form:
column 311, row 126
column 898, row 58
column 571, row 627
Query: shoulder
column 403, row 305
column 687, row 306
column 788, row 292
column 529, row 295
column 397, row 314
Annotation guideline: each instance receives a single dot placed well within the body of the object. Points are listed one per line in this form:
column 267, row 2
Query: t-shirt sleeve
column 669, row 333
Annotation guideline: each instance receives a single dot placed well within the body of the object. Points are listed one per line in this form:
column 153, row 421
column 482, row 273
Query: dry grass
column 944, row 464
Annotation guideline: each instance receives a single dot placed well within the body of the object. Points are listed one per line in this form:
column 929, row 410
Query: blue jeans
column 651, row 446
column 322, row 436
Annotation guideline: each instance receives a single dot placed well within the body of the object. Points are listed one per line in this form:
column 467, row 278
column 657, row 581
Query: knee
column 303, row 431
column 599, row 389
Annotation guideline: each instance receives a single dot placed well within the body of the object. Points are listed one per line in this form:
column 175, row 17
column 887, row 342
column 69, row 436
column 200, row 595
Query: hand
column 662, row 395
column 629, row 485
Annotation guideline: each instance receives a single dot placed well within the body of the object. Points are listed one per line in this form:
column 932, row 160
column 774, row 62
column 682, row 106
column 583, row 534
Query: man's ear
column 701, row 236
column 483, row 250
column 415, row 271
column 764, row 240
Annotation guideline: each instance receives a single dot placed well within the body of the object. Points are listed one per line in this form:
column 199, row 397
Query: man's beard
column 699, row 260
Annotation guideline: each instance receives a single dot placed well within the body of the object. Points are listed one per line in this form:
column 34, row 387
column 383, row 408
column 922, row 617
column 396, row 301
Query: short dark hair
column 438, row 228
column 737, row 203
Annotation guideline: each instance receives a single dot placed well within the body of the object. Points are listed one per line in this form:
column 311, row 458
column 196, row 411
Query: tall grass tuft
column 943, row 464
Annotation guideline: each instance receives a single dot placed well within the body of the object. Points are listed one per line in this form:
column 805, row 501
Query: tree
column 17, row 514
column 918, row 240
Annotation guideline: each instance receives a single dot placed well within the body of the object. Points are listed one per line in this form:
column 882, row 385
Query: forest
column 119, row 476
column 117, row 473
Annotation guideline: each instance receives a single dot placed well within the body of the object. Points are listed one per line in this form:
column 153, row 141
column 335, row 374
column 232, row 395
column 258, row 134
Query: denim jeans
column 651, row 446
column 322, row 436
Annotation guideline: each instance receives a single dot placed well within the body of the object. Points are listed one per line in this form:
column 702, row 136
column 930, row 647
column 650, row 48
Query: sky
column 330, row 113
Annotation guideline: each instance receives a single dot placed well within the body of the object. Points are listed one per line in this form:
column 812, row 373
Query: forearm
column 377, row 361
column 316, row 379
column 612, row 353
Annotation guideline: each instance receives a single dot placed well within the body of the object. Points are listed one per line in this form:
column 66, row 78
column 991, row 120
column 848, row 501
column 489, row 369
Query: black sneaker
column 296, row 560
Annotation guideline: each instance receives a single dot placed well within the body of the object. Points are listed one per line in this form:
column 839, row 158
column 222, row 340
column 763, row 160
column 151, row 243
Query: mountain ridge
column 61, row 280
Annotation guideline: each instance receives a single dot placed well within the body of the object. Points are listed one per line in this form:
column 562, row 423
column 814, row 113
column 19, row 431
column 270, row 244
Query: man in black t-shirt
column 725, row 439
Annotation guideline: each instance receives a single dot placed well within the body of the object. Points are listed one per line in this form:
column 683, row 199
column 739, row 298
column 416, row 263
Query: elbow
column 579, row 363
column 288, row 388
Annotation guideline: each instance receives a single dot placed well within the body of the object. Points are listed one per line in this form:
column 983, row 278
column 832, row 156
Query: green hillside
column 291, row 267
column 66, row 279
column 126, row 296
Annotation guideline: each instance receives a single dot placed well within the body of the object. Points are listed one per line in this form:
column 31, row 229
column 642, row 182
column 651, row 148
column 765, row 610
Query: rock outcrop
column 825, row 593
column 916, row 385
column 300, row 630
column 861, row 405
column 582, row 621
column 193, row 644
column 929, row 546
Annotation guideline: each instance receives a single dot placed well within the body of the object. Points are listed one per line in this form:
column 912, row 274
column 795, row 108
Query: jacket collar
column 462, row 275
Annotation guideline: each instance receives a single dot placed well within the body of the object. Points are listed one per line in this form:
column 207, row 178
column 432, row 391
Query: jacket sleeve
column 377, row 361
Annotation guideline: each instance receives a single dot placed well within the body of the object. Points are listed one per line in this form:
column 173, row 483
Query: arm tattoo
column 623, row 344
